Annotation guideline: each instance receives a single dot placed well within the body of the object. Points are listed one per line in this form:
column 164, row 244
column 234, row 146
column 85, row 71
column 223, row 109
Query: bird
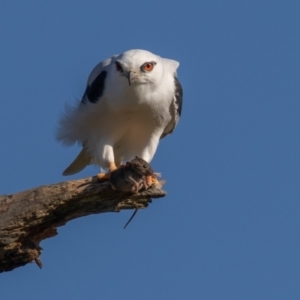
column 131, row 102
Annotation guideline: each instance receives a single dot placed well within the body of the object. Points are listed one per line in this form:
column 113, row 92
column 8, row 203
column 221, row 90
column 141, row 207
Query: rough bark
column 28, row 217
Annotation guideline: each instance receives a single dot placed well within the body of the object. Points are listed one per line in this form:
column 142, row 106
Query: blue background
column 229, row 227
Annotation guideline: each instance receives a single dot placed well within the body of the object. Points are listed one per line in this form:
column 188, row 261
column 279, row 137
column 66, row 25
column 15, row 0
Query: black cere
column 94, row 91
column 178, row 95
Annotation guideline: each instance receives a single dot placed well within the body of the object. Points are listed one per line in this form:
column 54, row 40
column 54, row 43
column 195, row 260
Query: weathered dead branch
column 28, row 217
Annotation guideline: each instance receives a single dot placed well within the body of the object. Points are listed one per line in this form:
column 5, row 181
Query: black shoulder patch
column 95, row 90
column 178, row 95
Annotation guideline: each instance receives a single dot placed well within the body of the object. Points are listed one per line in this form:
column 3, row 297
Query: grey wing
column 175, row 108
column 96, row 82
column 94, row 90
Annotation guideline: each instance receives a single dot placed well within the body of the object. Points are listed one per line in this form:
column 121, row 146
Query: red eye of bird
column 148, row 66
column 118, row 66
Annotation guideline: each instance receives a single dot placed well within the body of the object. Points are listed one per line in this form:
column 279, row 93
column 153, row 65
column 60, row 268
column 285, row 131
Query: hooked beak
column 130, row 76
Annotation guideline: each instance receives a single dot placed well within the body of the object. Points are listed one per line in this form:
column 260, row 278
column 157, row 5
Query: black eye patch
column 118, row 67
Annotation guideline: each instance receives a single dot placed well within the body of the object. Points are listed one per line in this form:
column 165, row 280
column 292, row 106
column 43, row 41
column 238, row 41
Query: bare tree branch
column 28, row 217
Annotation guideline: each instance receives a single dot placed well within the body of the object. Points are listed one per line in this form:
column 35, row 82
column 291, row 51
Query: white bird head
column 142, row 67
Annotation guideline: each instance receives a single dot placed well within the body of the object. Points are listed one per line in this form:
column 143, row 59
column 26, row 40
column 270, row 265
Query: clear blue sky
column 229, row 227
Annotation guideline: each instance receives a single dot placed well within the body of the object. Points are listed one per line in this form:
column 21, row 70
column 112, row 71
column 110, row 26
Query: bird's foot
column 154, row 180
column 106, row 176
column 103, row 176
column 150, row 180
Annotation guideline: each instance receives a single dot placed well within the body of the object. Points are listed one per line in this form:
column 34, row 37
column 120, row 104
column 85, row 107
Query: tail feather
column 81, row 161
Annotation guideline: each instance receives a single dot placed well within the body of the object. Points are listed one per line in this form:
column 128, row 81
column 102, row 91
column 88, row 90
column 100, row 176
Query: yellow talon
column 106, row 176
column 150, row 179
column 112, row 167
column 103, row 176
column 154, row 180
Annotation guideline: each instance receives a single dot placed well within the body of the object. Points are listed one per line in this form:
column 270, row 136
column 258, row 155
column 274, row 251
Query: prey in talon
column 134, row 176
